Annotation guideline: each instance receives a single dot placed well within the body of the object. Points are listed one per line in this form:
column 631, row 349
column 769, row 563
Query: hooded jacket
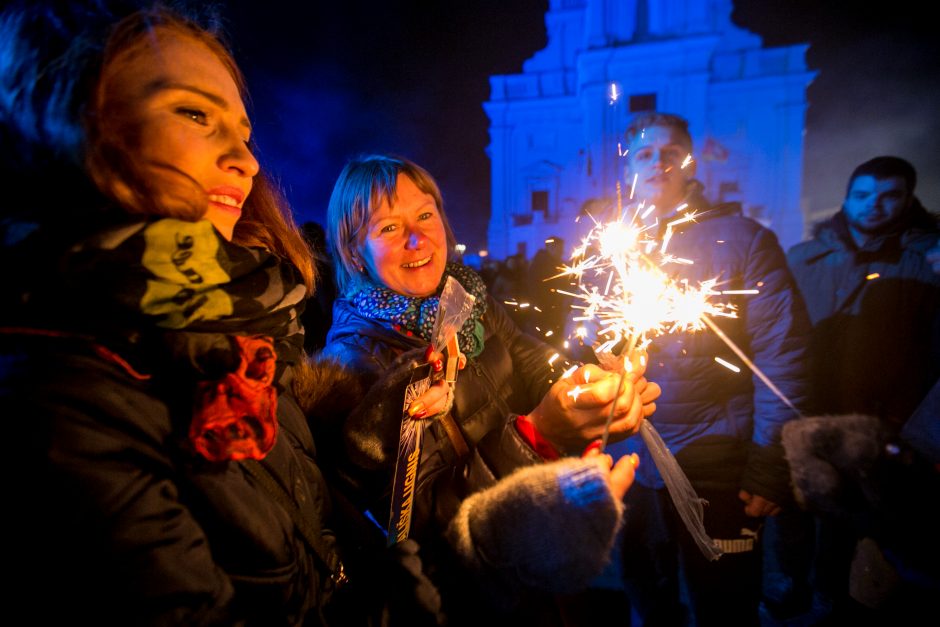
column 876, row 316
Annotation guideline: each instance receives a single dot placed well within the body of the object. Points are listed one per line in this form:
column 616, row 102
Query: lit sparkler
column 613, row 95
column 625, row 290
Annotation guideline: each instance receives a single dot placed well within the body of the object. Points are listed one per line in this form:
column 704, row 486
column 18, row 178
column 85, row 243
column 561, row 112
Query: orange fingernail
column 416, row 408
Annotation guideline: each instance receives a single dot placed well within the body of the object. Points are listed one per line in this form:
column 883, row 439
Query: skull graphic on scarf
column 235, row 417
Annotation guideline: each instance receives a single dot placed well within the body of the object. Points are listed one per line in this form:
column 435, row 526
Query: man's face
column 655, row 160
column 874, row 204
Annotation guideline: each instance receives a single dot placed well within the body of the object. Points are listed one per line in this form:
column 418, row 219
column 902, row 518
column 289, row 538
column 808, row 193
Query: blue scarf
column 417, row 315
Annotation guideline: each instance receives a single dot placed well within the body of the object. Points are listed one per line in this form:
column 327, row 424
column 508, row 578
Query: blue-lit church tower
column 555, row 128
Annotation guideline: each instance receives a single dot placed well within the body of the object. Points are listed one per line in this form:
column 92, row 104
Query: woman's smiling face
column 405, row 246
column 189, row 118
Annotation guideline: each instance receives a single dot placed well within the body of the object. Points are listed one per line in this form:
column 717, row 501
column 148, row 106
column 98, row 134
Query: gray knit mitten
column 549, row 527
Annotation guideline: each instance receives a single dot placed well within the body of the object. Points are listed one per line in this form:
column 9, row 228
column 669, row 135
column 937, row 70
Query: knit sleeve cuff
column 768, row 474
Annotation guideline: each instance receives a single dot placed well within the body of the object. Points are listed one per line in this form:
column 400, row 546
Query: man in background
column 873, row 297
column 723, row 426
column 870, row 276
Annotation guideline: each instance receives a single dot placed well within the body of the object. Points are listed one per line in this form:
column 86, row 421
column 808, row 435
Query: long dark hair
column 60, row 145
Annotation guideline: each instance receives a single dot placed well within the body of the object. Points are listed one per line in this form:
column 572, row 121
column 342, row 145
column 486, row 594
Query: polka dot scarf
column 416, row 316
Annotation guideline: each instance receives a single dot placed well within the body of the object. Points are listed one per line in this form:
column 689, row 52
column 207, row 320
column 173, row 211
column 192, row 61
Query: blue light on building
column 555, row 128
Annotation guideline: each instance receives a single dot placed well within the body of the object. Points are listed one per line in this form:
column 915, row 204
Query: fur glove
column 547, row 528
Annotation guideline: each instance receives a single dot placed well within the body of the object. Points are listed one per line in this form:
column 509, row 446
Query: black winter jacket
column 876, row 316
column 508, row 378
column 118, row 522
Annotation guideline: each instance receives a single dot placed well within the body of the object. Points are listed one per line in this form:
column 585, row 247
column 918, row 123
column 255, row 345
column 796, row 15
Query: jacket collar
column 833, row 234
column 347, row 321
column 697, row 208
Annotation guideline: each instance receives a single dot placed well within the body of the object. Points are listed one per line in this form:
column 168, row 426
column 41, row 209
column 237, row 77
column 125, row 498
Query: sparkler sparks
column 727, row 364
column 627, row 293
column 613, row 94
column 625, row 290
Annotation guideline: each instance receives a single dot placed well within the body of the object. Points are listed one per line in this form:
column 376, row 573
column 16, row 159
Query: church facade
column 556, row 128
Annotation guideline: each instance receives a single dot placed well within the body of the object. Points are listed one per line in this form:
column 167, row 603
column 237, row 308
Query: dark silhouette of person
column 543, row 285
column 318, row 314
column 510, row 288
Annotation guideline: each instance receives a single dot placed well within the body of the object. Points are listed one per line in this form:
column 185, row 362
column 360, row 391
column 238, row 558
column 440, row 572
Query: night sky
column 330, row 80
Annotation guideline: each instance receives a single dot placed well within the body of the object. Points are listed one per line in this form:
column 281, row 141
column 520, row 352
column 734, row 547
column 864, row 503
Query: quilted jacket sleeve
column 778, row 327
column 530, row 356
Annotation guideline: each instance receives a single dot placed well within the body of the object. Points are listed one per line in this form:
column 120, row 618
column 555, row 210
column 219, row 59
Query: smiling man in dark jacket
column 723, row 426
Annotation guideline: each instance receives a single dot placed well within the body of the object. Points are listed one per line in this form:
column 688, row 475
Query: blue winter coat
column 724, row 426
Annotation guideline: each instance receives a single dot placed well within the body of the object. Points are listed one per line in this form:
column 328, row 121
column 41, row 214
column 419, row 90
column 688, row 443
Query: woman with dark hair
column 392, row 246
column 162, row 471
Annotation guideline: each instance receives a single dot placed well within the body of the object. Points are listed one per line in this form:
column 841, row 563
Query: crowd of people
column 183, row 452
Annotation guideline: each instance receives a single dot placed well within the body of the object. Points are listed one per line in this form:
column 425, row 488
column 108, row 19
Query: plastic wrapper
column 688, row 504
column 455, row 307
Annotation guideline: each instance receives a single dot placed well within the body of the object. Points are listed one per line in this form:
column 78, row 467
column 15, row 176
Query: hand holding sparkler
column 436, row 400
column 444, row 353
column 629, row 296
column 577, row 407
